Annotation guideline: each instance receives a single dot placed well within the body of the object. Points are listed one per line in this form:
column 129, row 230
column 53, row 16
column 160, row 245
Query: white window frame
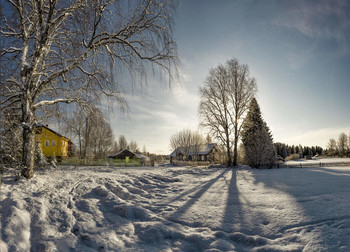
column 47, row 143
column 53, row 143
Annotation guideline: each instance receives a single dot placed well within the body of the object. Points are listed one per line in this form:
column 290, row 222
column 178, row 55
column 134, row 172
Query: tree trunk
column 228, row 155
column 28, row 141
column 28, row 152
column 235, row 151
column 228, row 148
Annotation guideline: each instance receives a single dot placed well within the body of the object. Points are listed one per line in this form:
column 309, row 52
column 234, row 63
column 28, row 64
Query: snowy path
column 177, row 209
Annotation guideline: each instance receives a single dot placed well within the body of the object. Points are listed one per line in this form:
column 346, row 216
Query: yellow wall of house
column 47, row 139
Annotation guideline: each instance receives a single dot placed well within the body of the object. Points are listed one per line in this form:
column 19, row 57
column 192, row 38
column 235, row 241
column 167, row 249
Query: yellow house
column 52, row 143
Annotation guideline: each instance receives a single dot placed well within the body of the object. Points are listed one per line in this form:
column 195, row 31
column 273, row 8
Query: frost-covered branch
column 44, row 103
column 54, row 50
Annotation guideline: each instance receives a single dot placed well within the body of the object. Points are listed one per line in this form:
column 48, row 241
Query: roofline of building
column 174, row 153
column 44, row 126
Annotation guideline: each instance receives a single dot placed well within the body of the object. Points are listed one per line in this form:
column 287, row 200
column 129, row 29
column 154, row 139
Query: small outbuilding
column 123, row 154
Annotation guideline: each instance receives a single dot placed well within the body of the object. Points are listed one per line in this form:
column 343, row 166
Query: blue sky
column 298, row 51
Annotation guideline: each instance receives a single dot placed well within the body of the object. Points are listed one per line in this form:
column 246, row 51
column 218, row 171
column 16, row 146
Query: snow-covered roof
column 178, row 150
column 203, row 150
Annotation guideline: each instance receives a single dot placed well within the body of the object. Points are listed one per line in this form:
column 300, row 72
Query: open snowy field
column 177, row 209
column 319, row 160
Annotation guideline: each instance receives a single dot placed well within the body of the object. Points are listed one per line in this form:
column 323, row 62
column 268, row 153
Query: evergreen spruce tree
column 257, row 139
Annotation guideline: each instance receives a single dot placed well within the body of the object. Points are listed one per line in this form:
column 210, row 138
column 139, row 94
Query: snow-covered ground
column 318, row 161
column 177, row 209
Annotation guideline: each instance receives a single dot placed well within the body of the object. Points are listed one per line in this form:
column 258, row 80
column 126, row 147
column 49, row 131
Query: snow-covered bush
column 40, row 159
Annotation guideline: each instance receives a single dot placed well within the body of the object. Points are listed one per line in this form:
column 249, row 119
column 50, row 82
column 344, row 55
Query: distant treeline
column 285, row 150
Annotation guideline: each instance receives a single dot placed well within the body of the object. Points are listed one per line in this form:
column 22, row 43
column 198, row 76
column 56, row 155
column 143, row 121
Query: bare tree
column 144, row 150
column 101, row 136
column 225, row 99
column 208, row 139
column 122, row 142
column 342, row 143
column 115, row 148
column 90, row 131
column 63, row 52
column 332, row 146
column 188, row 141
column 73, row 126
column 133, row 146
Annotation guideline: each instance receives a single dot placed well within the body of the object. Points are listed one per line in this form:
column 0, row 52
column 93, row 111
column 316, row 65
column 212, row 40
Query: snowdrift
column 177, row 209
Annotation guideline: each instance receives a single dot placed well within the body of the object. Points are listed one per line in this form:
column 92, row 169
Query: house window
column 53, row 143
column 47, row 143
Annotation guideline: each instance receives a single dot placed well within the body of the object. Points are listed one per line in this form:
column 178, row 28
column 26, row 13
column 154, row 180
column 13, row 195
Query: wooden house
column 52, row 143
column 126, row 154
column 123, row 154
column 204, row 152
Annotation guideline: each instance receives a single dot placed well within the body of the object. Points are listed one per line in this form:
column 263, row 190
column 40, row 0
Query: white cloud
column 320, row 19
column 186, row 98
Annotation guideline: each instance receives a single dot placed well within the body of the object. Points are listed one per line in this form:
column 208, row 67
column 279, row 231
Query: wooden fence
column 190, row 163
column 313, row 165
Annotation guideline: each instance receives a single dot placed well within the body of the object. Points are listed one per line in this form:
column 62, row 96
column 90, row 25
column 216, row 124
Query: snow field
column 317, row 161
column 177, row 209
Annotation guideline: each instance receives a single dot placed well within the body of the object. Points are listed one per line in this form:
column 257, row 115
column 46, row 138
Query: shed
column 122, row 154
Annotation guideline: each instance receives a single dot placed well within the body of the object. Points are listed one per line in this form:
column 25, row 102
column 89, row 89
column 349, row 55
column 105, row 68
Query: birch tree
column 122, row 143
column 342, row 143
column 225, row 99
column 98, row 136
column 73, row 126
column 133, row 147
column 74, row 51
column 332, row 146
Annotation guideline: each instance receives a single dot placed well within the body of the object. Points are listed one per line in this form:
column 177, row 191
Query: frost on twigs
column 53, row 52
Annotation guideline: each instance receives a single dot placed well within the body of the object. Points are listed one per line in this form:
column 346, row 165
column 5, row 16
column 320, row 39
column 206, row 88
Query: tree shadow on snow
column 323, row 196
column 194, row 198
column 233, row 214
